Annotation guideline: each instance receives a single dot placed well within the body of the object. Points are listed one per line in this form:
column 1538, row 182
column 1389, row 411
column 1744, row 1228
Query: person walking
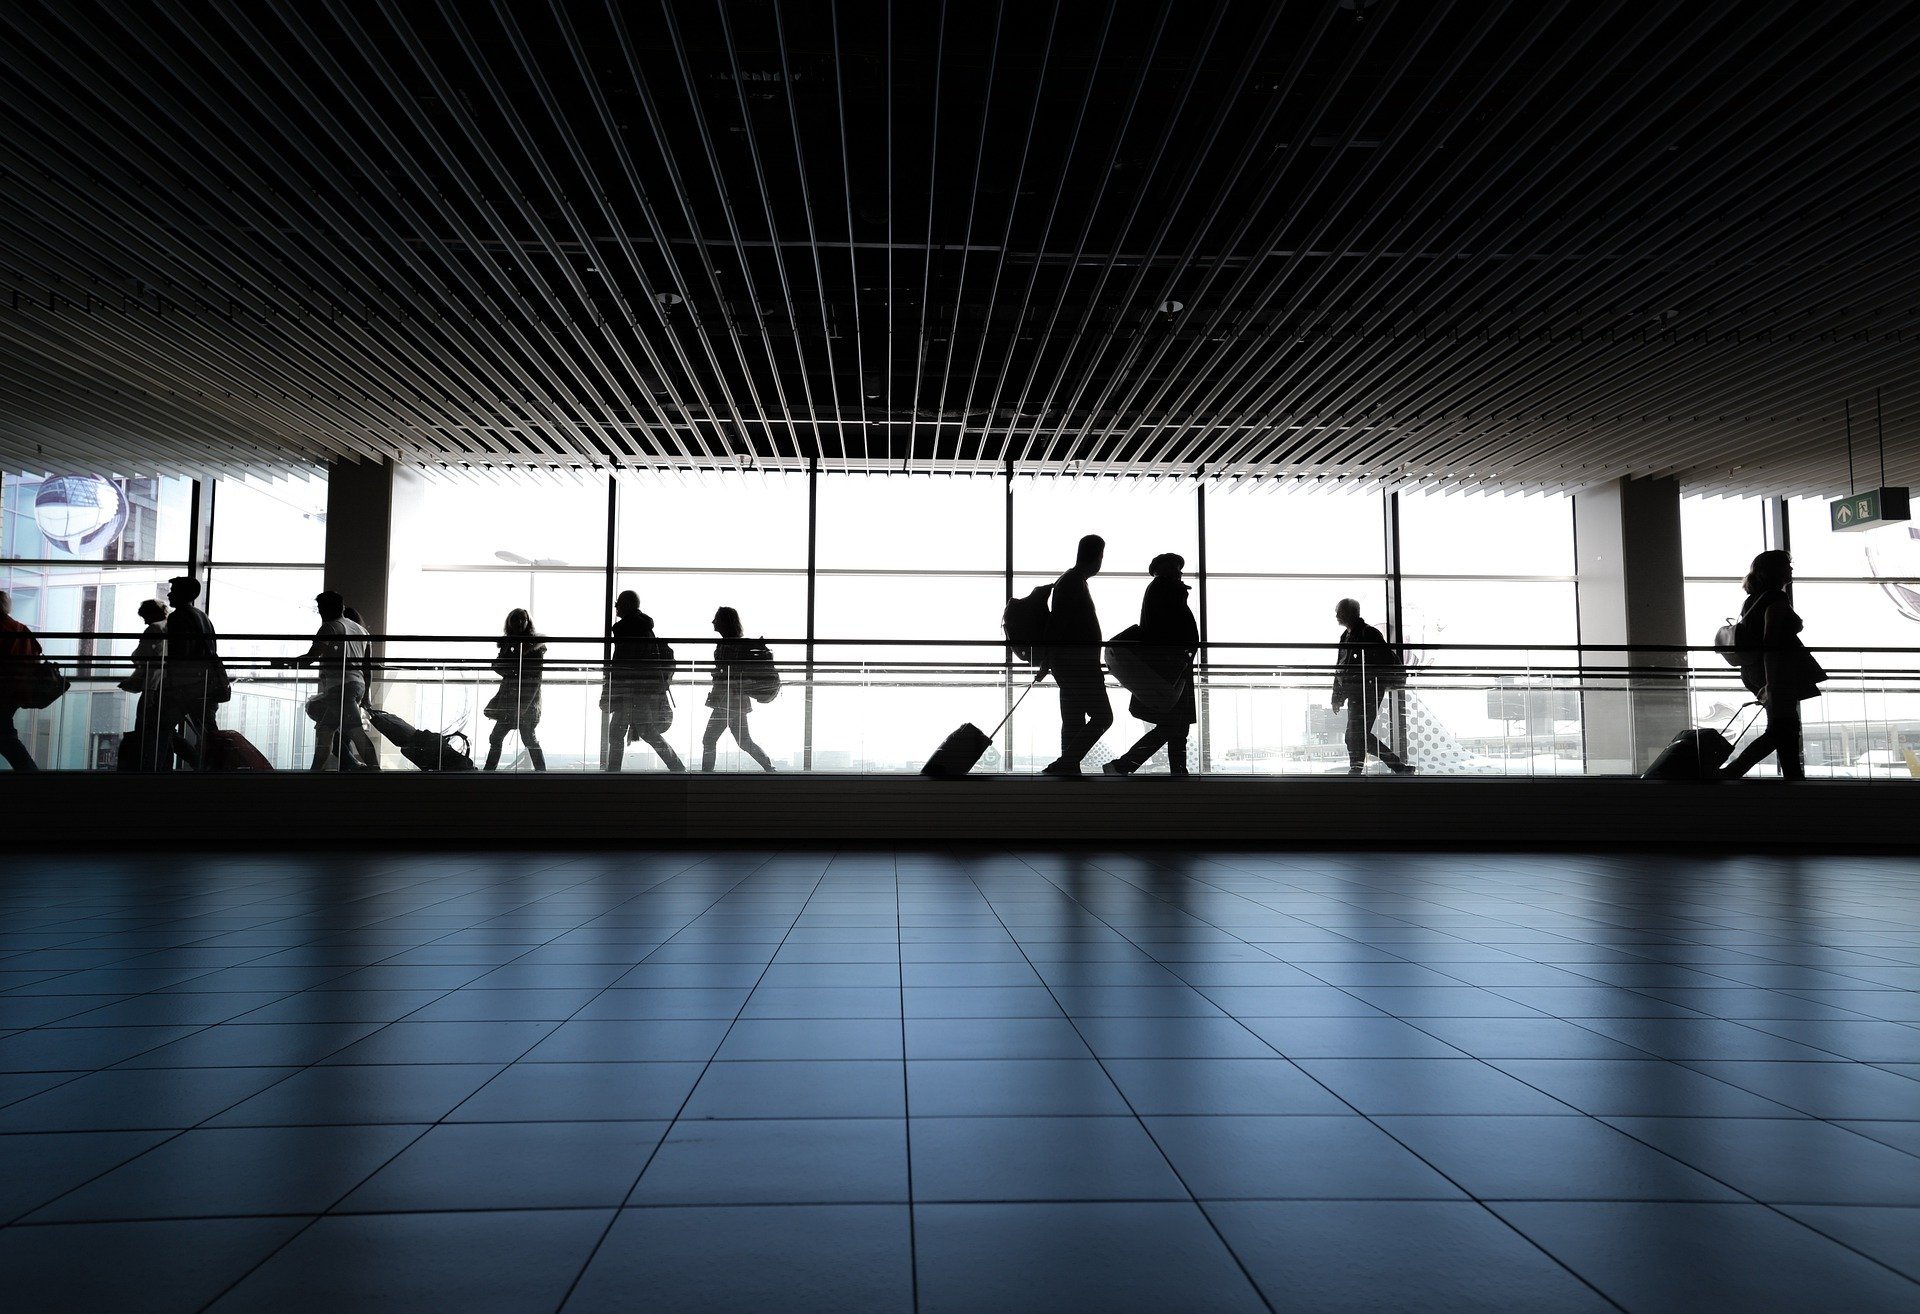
column 19, row 654
column 1775, row 666
column 1073, row 657
column 729, row 698
column 149, row 662
column 1170, row 637
column 1365, row 669
column 195, row 682
column 340, row 654
column 521, row 665
column 637, row 697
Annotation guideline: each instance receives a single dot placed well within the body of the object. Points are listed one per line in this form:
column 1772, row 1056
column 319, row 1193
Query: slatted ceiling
column 1452, row 243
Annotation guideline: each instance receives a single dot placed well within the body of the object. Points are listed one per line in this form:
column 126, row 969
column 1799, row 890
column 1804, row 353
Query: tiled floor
column 959, row 1081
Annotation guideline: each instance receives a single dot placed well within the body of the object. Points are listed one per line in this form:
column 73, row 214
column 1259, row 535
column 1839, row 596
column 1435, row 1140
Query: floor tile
column 663, row 1004
column 345, row 1006
column 1038, row 1159
column 1900, row 1135
column 504, row 1006
column 1171, row 1037
column 219, row 1172
column 1295, row 1158
column 1690, row 1257
column 1019, row 1037
column 35, row 1169
column 467, row 1261
column 516, row 1165
column 806, row 1089
column 1785, row 1161
column 940, row 1088
column 1549, row 1158
column 815, row 1161
column 1221, row 1086
column 131, row 1268
column 80, row 1049
column 642, row 1041
column 129, row 1100
column 1825, row 1090
column 1416, row 1256
column 560, row 1092
column 988, row 1001
column 1525, row 1037
column 1639, row 1087
column 1118, row 1258
column 823, row 1002
column 250, row 1045
column 1891, row 1236
column 445, row 1042
column 817, row 1259
column 424, row 1092
column 815, row 1038
column 1349, row 1037
column 1380, row 1086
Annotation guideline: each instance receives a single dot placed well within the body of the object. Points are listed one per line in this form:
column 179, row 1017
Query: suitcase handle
column 1732, row 738
column 1016, row 707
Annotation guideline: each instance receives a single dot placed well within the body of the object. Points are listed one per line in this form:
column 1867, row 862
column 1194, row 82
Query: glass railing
column 870, row 706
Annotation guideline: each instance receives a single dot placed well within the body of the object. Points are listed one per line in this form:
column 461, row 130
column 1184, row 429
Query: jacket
column 1366, row 657
column 1073, row 627
column 19, row 655
column 1773, row 659
column 1167, row 624
column 195, row 674
column 521, row 666
column 727, row 694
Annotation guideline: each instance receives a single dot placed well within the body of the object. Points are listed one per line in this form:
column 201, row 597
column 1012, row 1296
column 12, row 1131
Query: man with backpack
column 1072, row 654
column 636, row 695
column 1366, row 668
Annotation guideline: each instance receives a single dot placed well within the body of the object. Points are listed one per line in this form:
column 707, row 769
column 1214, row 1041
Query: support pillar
column 375, row 520
column 1631, row 591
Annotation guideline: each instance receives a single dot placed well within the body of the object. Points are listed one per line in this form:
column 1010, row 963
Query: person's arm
column 1775, row 639
column 311, row 656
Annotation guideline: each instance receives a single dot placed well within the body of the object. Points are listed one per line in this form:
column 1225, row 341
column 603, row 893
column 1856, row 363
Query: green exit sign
column 1865, row 510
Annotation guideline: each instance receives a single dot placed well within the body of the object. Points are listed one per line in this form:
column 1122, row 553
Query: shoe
column 1062, row 769
column 1402, row 768
column 1117, row 767
column 1356, row 771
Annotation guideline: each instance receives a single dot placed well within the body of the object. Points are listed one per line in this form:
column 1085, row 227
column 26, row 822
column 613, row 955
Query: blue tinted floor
column 959, row 1081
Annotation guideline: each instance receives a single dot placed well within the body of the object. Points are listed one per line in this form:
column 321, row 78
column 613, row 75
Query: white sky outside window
column 279, row 521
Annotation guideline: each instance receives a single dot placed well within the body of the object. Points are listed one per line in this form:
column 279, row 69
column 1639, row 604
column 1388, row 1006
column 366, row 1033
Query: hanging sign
column 1879, row 506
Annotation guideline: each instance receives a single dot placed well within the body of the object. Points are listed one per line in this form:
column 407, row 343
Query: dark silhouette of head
column 1092, row 551
column 1772, row 569
column 183, row 590
column 1347, row 612
column 353, row 614
column 627, row 603
column 519, row 624
column 1167, row 565
column 331, row 606
column 726, row 623
column 152, row 610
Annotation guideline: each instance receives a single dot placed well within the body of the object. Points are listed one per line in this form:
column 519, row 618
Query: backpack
column 655, row 673
column 756, row 675
column 1025, row 622
column 1726, row 642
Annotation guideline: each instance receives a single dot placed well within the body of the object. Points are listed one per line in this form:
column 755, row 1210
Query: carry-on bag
column 430, row 750
column 229, row 750
column 1131, row 664
column 959, row 751
column 1696, row 754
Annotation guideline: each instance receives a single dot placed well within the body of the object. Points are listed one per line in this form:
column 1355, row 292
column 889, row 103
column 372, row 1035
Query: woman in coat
column 728, row 698
column 1775, row 666
column 139, row 747
column 1168, row 630
column 520, row 665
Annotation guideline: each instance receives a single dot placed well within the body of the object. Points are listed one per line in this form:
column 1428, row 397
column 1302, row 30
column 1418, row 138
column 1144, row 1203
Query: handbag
column 1726, row 642
column 756, row 675
column 43, row 686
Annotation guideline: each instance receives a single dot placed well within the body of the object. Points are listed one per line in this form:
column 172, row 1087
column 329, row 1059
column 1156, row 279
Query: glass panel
column 1486, row 534
column 911, row 522
column 276, row 602
column 1139, row 520
column 1720, row 536
column 102, row 598
column 1861, row 554
column 515, row 521
column 771, row 606
column 78, row 517
column 751, row 520
column 1290, row 533
column 284, row 522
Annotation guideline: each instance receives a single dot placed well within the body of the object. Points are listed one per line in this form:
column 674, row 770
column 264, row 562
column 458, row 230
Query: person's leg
column 710, row 738
column 1177, row 751
column 494, row 742
column 738, row 724
column 324, row 737
column 616, row 722
column 1143, row 748
column 531, row 742
column 1749, row 757
column 12, row 747
column 363, row 744
column 1379, row 747
column 658, row 743
column 1085, row 712
column 1783, row 723
column 1356, row 734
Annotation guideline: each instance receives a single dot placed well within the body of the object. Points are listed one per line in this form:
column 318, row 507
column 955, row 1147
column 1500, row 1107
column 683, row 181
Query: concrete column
column 374, row 522
column 1632, row 591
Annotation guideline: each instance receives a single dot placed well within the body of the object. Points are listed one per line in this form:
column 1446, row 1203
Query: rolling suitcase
column 1695, row 754
column 959, row 751
column 229, row 750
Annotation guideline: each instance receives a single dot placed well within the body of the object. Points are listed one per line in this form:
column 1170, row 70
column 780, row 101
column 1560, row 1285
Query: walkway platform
column 1386, row 811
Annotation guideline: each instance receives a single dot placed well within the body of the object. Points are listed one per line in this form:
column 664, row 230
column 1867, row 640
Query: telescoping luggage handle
column 1016, row 707
column 1733, row 738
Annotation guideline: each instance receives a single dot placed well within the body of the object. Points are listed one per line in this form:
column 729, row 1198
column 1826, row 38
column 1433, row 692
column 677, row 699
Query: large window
column 1719, row 537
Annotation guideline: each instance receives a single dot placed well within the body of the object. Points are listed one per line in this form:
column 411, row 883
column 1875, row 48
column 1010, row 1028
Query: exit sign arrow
column 1881, row 506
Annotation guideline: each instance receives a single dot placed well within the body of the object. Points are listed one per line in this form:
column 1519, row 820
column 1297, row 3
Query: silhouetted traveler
column 1073, row 656
column 1774, row 665
column 521, row 665
column 195, row 683
column 638, row 697
column 729, row 698
column 340, row 656
column 1171, row 637
column 1363, row 672
column 19, row 655
column 149, row 668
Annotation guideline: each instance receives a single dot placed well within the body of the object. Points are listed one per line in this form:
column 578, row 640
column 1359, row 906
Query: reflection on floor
column 955, row 1081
